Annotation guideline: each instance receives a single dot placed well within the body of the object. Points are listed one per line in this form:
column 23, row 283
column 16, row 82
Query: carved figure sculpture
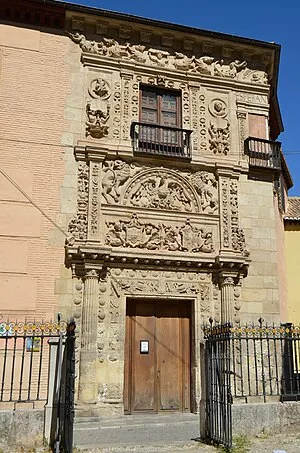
column 206, row 186
column 219, row 141
column 115, row 174
column 97, row 119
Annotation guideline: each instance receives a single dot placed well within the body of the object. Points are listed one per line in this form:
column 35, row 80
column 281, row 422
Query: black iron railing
column 264, row 360
column 24, row 359
column 248, row 363
column 161, row 140
column 263, row 153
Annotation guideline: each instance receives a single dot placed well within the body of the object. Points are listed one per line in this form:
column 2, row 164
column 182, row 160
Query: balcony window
column 159, row 130
column 263, row 153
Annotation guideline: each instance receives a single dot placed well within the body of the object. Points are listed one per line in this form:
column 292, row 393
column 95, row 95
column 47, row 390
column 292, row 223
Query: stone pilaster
column 88, row 352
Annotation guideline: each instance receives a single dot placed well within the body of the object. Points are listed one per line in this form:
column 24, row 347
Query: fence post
column 50, row 416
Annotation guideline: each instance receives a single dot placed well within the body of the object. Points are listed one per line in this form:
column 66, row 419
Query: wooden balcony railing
column 161, row 140
column 263, row 153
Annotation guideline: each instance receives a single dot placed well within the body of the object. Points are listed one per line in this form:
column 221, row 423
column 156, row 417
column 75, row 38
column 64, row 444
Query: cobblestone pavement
column 166, row 434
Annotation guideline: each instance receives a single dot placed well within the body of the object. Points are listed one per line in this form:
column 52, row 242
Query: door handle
column 158, row 374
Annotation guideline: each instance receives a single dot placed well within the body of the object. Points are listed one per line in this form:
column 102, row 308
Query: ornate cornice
column 198, row 63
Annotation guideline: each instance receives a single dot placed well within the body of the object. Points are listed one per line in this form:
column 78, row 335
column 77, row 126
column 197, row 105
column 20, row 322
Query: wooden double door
column 157, row 356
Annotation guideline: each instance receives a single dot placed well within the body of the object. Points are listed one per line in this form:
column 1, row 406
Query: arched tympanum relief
column 161, row 189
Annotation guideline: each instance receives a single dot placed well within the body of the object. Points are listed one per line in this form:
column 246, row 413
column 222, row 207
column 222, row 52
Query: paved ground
column 166, row 434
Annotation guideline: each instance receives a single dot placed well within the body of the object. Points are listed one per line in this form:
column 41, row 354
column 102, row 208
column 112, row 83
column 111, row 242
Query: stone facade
column 203, row 230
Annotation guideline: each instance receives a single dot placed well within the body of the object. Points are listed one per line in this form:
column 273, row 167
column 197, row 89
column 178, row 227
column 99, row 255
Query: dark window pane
column 149, row 99
column 169, row 102
column 149, row 116
column 169, row 119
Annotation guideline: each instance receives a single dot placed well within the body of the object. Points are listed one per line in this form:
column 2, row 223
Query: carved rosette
column 134, row 234
column 186, row 106
column 202, row 65
column 203, row 121
column 116, row 108
column 79, row 224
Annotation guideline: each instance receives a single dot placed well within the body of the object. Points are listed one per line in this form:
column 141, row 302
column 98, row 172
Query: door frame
column 128, row 362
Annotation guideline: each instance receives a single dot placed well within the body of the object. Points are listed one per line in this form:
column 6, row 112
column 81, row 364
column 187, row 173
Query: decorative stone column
column 88, row 352
column 227, row 298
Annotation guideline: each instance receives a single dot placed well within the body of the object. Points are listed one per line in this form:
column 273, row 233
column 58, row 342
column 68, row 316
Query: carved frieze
column 204, row 65
column 219, row 139
column 98, row 109
column 78, row 225
column 134, row 234
column 163, row 283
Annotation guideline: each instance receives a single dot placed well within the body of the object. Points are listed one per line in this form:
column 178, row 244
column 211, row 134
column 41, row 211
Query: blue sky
column 266, row 20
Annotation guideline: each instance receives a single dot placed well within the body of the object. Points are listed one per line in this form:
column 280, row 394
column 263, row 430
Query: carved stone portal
column 131, row 233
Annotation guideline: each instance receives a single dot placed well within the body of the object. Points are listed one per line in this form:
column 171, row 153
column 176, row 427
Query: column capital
column 91, row 273
column 228, row 278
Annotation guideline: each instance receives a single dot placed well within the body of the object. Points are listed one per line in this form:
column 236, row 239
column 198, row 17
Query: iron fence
column 24, row 359
column 248, row 363
column 264, row 359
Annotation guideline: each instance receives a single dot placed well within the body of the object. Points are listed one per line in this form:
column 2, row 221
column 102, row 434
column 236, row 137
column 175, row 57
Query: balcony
column 263, row 153
column 153, row 139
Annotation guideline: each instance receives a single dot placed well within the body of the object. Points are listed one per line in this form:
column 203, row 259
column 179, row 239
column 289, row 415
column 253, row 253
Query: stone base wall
column 22, row 428
column 255, row 418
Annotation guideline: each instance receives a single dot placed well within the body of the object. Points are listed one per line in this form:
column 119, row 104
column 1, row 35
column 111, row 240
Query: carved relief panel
column 134, row 233
column 98, row 108
column 159, row 188
column 232, row 236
